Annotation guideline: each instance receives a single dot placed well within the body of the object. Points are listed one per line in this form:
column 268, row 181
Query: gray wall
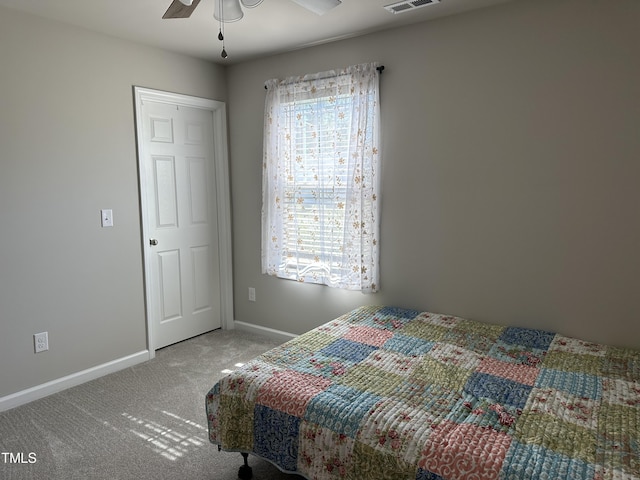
column 67, row 149
column 511, row 170
column 510, row 178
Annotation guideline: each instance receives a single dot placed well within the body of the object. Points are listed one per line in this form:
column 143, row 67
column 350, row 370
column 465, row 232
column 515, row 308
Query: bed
column 388, row 393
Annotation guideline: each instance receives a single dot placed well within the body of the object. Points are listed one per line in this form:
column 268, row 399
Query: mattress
column 390, row 393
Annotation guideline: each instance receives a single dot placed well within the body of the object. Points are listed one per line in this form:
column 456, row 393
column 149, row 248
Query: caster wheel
column 245, row 473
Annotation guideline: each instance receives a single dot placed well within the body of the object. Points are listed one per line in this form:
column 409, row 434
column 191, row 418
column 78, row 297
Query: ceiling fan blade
column 178, row 9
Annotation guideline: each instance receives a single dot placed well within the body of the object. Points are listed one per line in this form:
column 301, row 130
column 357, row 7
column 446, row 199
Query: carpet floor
column 144, row 422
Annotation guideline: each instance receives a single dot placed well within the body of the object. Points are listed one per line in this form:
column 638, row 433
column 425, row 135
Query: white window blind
column 320, row 179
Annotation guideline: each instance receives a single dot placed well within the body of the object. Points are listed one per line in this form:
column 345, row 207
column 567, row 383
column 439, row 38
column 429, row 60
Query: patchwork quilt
column 387, row 393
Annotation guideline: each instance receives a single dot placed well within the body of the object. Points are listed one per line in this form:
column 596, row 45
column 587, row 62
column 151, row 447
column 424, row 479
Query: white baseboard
column 265, row 331
column 39, row 391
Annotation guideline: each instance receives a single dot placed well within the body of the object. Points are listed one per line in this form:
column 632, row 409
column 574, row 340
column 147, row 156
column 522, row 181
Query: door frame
column 222, row 193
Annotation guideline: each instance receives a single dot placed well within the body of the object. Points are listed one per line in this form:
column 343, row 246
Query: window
column 320, row 187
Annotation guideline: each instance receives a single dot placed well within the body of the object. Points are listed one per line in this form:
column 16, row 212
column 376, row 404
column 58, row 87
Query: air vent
column 406, row 6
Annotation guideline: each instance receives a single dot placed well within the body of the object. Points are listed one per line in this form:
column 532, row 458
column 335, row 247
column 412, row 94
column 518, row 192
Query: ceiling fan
column 226, row 11
column 230, row 10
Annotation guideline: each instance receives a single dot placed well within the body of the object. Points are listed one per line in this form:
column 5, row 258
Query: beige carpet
column 145, row 422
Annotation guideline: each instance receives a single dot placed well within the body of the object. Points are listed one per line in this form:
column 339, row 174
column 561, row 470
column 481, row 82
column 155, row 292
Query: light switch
column 107, row 217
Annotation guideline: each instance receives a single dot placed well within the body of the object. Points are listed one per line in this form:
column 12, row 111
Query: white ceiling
column 274, row 26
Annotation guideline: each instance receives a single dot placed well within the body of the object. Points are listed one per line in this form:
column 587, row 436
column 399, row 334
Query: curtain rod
column 380, row 70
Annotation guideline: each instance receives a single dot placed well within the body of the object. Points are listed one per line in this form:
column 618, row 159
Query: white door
column 181, row 230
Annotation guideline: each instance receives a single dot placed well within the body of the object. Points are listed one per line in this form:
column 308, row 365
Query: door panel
column 161, row 129
column 185, row 275
column 170, row 285
column 166, row 213
column 198, row 190
column 201, row 278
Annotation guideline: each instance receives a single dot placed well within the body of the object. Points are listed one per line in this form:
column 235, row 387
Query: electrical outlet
column 252, row 294
column 41, row 342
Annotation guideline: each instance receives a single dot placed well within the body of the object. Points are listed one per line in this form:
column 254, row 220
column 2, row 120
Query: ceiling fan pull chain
column 223, row 54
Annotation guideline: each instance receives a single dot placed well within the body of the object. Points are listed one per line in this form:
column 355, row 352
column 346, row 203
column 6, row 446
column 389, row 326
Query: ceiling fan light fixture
column 227, row 11
column 319, row 7
column 251, row 3
column 186, row 3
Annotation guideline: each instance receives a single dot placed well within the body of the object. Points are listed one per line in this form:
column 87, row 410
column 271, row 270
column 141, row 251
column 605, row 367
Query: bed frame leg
column 245, row 472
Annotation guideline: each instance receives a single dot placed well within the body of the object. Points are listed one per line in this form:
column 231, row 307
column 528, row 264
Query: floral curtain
column 321, row 173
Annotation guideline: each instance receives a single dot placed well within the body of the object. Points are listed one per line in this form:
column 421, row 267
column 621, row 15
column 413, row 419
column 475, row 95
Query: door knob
column 153, row 241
